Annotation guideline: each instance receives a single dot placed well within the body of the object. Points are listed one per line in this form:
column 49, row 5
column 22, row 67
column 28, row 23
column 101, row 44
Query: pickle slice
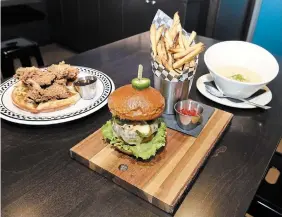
column 141, row 83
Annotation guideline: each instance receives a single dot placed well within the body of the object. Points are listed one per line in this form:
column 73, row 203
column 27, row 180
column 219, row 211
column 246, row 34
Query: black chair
column 18, row 48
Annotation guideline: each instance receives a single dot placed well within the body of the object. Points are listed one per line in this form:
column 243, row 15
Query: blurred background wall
column 268, row 30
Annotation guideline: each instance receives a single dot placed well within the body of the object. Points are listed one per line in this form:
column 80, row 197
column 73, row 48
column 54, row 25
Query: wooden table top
column 40, row 179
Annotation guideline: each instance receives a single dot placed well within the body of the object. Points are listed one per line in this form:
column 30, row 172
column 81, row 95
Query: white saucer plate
column 262, row 99
column 105, row 86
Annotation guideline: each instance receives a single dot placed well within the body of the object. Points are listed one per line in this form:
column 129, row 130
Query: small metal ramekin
column 86, row 86
column 187, row 122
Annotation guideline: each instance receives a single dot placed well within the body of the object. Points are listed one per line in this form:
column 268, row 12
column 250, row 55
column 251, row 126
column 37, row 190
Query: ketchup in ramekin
column 189, row 112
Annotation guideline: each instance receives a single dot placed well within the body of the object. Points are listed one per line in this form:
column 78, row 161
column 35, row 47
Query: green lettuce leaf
column 109, row 134
column 143, row 150
column 107, row 131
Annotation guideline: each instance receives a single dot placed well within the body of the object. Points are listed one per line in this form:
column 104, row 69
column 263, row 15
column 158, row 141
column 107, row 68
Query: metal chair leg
column 38, row 57
column 7, row 67
column 25, row 61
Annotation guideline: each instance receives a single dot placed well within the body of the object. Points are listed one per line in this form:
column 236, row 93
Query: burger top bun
column 136, row 105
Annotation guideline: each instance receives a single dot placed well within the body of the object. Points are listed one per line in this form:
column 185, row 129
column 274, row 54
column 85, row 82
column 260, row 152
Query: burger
column 136, row 128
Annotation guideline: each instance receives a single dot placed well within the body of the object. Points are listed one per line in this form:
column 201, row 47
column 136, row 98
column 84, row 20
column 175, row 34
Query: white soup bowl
column 240, row 54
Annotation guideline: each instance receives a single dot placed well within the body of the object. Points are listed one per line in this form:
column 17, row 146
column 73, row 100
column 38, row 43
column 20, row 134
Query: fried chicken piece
column 38, row 94
column 63, row 70
column 50, row 84
column 61, row 81
column 57, row 91
column 35, row 92
column 37, row 75
column 23, row 70
column 32, row 84
column 44, row 79
column 33, row 95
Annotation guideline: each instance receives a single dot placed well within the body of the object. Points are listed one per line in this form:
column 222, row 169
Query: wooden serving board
column 162, row 180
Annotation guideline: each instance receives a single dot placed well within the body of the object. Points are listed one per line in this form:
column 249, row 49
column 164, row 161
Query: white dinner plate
column 261, row 99
column 105, row 86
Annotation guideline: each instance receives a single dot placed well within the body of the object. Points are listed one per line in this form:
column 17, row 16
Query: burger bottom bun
column 18, row 99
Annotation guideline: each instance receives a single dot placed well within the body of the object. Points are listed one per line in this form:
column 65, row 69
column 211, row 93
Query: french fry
column 163, row 48
column 170, row 59
column 191, row 38
column 168, row 39
column 180, row 68
column 189, row 50
column 159, row 33
column 179, row 27
column 169, row 55
column 179, row 71
column 188, row 57
column 168, row 67
column 192, row 63
column 176, row 50
column 153, row 39
column 176, row 40
column 166, row 44
column 173, row 28
column 181, row 43
column 159, row 50
column 185, row 41
column 158, row 59
column 176, row 18
column 186, row 66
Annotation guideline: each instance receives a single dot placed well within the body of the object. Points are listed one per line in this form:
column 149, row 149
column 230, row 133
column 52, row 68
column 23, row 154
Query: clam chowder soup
column 239, row 74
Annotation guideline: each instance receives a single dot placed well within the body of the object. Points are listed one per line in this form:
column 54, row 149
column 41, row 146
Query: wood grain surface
column 162, row 180
column 40, row 179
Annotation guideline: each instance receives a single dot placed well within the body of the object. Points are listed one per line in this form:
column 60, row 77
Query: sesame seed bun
column 137, row 105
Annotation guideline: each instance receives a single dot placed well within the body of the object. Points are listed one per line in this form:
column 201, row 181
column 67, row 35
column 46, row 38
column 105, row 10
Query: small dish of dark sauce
column 83, row 81
column 86, row 86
